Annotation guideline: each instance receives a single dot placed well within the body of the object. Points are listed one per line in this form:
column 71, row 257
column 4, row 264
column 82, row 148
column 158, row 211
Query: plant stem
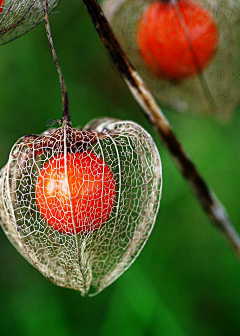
column 65, row 103
column 211, row 205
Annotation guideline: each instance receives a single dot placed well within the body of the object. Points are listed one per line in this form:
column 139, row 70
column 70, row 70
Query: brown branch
column 65, row 102
column 212, row 207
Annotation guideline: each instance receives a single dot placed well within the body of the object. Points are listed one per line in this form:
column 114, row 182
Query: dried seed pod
column 80, row 205
column 187, row 51
column 20, row 16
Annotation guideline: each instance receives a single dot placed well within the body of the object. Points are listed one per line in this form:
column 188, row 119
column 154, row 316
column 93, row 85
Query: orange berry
column 76, row 198
column 176, row 40
column 1, row 5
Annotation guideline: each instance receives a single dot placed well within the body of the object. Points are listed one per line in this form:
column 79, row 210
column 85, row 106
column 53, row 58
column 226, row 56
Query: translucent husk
column 20, row 16
column 216, row 90
column 91, row 261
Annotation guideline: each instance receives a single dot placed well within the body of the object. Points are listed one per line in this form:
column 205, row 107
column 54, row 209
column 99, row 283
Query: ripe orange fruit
column 76, row 198
column 1, row 5
column 176, row 40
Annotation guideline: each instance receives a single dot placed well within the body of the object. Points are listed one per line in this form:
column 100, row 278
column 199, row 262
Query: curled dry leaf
column 80, row 205
column 187, row 51
column 20, row 16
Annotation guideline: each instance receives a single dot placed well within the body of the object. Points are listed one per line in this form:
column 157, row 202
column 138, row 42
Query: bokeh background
column 187, row 279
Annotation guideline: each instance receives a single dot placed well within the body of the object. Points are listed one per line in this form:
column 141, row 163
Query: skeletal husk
column 20, row 16
column 213, row 91
column 85, row 262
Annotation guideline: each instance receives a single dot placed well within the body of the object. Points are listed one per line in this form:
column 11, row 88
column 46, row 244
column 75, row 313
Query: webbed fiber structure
column 20, row 16
column 80, row 205
column 210, row 51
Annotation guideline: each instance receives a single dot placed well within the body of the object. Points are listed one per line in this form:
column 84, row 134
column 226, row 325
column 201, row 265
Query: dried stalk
column 211, row 205
column 65, row 102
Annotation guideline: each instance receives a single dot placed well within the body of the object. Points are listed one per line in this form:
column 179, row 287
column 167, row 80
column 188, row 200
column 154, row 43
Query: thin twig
column 212, row 207
column 65, row 102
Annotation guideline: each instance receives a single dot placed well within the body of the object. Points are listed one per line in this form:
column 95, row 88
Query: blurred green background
column 187, row 279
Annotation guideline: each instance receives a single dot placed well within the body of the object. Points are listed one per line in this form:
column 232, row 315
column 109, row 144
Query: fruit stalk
column 211, row 205
column 65, row 102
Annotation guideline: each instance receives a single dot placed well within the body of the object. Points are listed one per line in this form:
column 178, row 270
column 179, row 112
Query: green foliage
column 187, row 279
